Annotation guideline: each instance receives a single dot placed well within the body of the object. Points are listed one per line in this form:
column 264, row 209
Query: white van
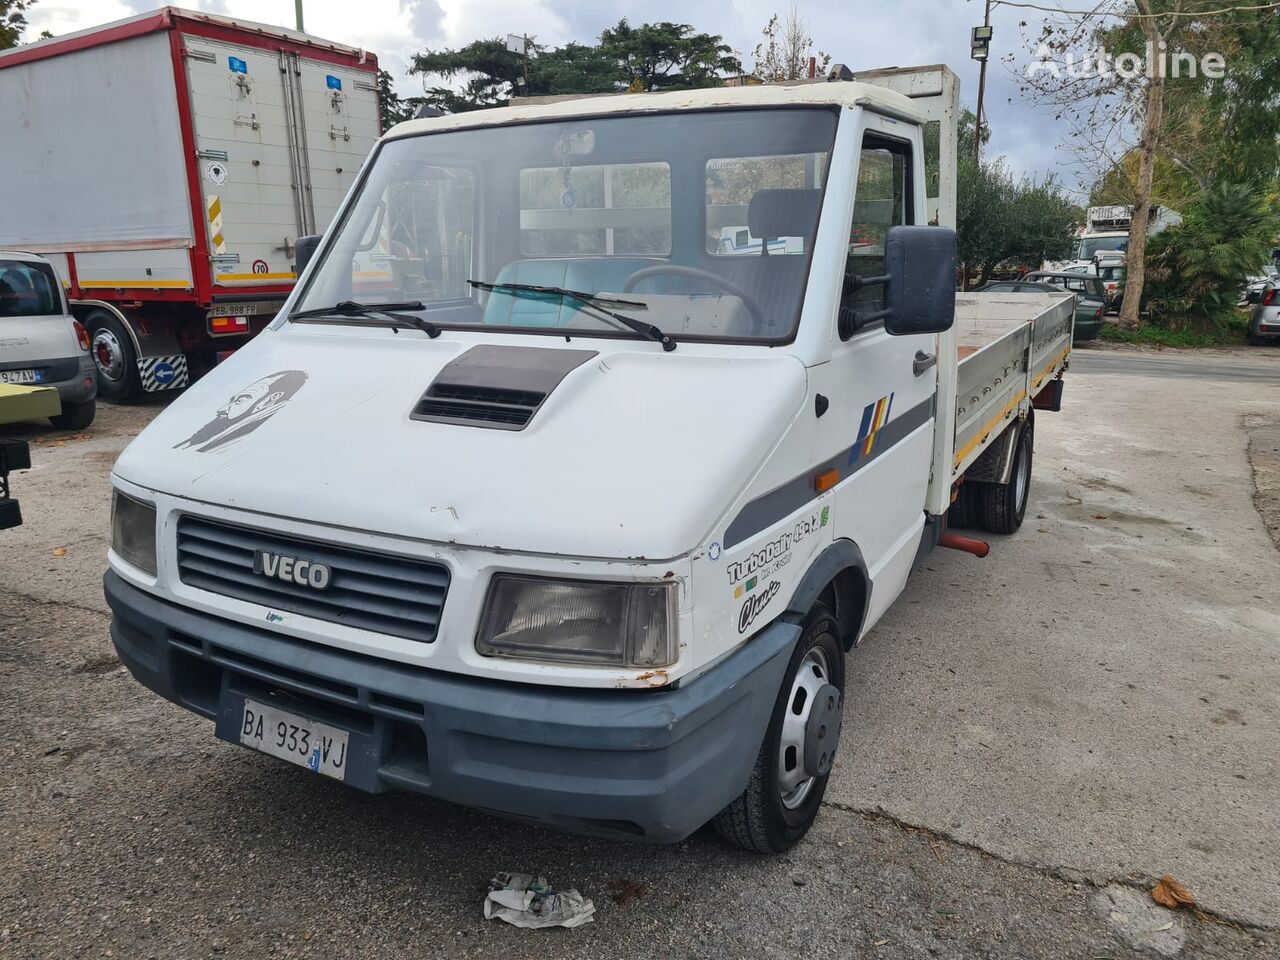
column 535, row 499
column 40, row 342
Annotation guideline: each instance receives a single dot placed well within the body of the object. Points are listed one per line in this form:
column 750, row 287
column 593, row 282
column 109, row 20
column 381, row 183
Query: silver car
column 40, row 342
column 1264, row 320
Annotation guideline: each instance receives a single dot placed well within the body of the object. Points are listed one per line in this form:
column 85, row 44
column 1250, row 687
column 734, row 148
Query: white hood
column 636, row 454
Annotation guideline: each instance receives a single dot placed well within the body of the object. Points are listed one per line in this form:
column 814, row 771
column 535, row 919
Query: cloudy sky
column 862, row 33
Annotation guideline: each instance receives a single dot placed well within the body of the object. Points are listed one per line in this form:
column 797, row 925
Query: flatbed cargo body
column 167, row 166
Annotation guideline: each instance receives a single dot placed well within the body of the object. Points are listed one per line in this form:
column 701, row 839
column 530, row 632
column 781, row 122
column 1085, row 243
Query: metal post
column 982, row 89
column 297, row 14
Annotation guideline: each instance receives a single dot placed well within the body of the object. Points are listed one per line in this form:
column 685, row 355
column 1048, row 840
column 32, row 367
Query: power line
column 1098, row 12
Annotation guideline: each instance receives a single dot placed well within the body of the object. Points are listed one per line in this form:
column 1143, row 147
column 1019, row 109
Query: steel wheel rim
column 1021, row 481
column 108, row 355
column 793, row 783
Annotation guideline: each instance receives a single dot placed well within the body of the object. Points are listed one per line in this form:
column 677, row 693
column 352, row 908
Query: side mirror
column 920, row 263
column 304, row 250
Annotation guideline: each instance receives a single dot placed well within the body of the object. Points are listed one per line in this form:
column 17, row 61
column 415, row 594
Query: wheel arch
column 840, row 573
column 80, row 309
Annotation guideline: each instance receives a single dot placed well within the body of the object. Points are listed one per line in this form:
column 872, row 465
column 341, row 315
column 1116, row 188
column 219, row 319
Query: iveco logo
column 305, row 573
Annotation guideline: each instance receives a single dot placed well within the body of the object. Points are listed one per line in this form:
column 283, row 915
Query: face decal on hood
column 246, row 410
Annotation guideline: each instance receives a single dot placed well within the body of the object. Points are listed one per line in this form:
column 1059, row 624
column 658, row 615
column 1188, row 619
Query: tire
column 1005, row 504
column 966, row 512
column 115, row 357
column 75, row 416
column 772, row 814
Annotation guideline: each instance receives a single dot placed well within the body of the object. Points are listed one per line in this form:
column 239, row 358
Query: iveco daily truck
column 538, row 497
column 166, row 164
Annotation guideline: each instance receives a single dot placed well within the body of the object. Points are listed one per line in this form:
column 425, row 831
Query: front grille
column 460, row 403
column 369, row 591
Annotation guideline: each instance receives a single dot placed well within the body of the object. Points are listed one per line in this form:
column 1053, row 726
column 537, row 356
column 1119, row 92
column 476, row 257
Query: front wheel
column 790, row 775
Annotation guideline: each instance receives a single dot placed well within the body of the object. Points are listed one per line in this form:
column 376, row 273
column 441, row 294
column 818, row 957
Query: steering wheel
column 693, row 273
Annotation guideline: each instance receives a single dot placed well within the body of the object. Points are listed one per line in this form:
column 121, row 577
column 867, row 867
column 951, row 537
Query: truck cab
column 537, row 498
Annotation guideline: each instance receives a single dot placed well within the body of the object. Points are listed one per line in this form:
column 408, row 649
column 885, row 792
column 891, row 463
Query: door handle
column 923, row 362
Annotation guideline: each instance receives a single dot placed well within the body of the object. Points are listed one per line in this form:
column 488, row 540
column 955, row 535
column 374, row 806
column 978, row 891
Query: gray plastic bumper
column 652, row 765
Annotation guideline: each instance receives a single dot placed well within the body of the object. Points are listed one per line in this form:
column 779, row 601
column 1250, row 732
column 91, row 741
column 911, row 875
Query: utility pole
column 518, row 43
column 297, row 14
column 980, row 50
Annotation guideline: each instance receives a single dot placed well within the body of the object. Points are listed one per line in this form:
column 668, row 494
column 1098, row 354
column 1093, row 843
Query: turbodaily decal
column 246, row 410
column 755, row 605
column 769, row 558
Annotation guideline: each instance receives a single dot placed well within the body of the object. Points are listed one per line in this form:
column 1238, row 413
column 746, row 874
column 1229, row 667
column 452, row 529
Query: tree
column 783, row 54
column 1205, row 125
column 392, row 107
column 13, row 21
column 667, row 56
column 1003, row 221
column 1198, row 267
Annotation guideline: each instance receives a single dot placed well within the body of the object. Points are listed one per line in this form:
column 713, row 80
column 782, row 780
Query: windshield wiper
column 646, row 330
column 349, row 308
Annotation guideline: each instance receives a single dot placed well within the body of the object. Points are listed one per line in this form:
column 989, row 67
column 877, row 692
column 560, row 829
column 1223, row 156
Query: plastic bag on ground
column 524, row 900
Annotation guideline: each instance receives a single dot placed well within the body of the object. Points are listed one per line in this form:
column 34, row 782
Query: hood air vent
column 500, row 387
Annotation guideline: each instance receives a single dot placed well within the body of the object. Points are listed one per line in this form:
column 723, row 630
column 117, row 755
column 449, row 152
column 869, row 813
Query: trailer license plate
column 308, row 743
column 19, row 376
column 234, row 310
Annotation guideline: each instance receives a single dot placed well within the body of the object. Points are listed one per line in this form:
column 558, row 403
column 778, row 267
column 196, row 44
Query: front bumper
column 652, row 765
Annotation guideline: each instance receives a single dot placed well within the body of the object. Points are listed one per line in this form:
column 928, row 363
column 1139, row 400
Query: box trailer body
column 167, row 164
column 587, row 541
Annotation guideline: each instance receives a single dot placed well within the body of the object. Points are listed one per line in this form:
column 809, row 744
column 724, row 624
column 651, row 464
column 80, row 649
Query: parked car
column 40, row 342
column 1255, row 287
column 1264, row 320
column 1089, row 303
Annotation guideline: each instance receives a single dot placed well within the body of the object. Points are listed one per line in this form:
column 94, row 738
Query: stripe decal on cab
column 780, row 502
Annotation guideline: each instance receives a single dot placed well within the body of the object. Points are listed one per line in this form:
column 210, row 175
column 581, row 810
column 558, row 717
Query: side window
column 883, row 200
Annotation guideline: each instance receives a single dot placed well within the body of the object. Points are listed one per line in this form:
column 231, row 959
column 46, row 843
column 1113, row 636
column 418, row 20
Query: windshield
column 28, row 289
column 702, row 221
column 1091, row 245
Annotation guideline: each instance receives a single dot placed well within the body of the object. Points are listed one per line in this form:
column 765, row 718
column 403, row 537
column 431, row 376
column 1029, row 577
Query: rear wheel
column 75, row 416
column 114, row 354
column 1005, row 504
column 790, row 776
column 966, row 512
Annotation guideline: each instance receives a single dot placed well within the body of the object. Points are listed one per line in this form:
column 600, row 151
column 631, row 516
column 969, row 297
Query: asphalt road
column 1254, row 365
column 1030, row 740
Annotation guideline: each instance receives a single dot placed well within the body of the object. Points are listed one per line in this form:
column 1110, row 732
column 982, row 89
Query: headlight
column 631, row 625
column 133, row 531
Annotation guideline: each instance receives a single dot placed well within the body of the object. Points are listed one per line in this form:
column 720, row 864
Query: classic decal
column 874, row 416
column 246, row 410
column 755, row 605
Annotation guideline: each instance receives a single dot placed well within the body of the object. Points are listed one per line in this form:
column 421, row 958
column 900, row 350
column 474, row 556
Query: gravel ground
column 131, row 832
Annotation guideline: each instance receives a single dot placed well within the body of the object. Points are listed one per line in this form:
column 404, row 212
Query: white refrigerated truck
column 167, row 164
column 583, row 528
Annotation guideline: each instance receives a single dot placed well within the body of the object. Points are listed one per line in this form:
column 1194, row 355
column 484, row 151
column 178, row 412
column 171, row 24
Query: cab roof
column 836, row 93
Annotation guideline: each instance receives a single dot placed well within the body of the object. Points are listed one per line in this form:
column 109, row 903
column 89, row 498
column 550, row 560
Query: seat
column 586, row 274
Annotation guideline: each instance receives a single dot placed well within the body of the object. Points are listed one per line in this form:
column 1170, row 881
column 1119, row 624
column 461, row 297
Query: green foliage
column 1195, row 270
column 392, row 107
column 651, row 56
column 1233, row 332
column 1002, row 221
column 13, row 21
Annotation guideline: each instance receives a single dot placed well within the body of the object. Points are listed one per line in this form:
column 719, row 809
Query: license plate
column 234, row 310
column 308, row 743
column 19, row 376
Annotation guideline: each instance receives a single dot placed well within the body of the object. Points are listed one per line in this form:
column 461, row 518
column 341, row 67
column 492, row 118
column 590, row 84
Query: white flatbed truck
column 581, row 526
